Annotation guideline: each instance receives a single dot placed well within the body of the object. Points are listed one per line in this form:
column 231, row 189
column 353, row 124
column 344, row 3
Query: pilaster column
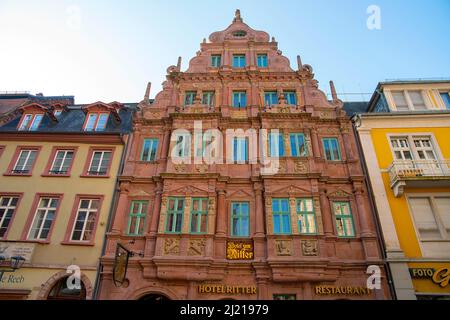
column 365, row 220
column 347, row 143
column 151, row 243
column 221, row 213
column 121, row 210
column 326, row 213
column 315, row 143
column 259, row 203
column 165, row 144
column 136, row 143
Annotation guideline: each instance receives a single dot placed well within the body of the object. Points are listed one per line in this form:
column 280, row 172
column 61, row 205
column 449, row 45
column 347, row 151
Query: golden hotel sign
column 239, row 250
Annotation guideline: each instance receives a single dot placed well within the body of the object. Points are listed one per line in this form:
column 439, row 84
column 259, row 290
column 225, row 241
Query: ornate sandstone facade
column 292, row 255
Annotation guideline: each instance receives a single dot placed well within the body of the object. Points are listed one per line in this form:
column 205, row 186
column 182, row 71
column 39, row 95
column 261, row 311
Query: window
column 262, row 60
column 401, row 148
column 431, row 216
column 400, row 101
column 208, row 98
column 306, row 216
column 424, row 148
column 43, row 218
column 331, row 147
column 240, row 219
column 62, row 162
column 56, row 113
column 216, row 60
column 270, row 98
column 290, row 97
column 100, row 163
column 189, row 97
column 183, row 145
column 446, row 99
column 96, row 122
column 8, row 205
column 239, row 99
column 175, row 211
column 284, row 297
column 239, row 60
column 344, row 219
column 149, row 149
column 85, row 221
column 199, row 215
column 240, row 149
column 30, row 122
column 298, row 145
column 25, row 161
column 281, row 216
column 239, row 33
column 417, row 100
column 276, row 145
column 136, row 222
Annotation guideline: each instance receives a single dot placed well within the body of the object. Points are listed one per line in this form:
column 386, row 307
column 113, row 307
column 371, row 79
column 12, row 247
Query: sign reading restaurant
column 240, row 250
column 342, row 290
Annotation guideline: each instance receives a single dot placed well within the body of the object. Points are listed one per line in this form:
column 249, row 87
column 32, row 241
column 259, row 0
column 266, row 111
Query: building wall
column 51, row 258
column 402, row 241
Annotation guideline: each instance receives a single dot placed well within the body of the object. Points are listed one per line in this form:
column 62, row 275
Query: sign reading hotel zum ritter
column 239, row 250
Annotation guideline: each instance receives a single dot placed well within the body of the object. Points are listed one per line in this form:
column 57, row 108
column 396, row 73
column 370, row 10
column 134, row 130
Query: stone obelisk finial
column 147, row 93
column 237, row 16
column 333, row 91
column 179, row 64
column 299, row 63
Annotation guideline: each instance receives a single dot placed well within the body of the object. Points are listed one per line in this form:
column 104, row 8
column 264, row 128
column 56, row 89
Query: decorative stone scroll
column 171, row 246
column 310, row 248
column 197, row 247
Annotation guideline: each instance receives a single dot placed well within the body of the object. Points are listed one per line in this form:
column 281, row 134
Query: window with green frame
column 137, row 216
column 284, row 297
column 281, row 217
column 240, row 219
column 238, row 60
column 298, row 145
column 199, row 215
column 306, row 216
column 261, row 60
column 331, row 148
column 175, row 210
column 290, row 97
column 270, row 98
column 189, row 97
column 149, row 149
column 344, row 219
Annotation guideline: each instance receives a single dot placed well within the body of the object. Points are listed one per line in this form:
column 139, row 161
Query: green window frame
column 216, row 60
column 261, row 60
column 281, row 216
column 199, row 215
column 208, row 98
column 239, row 61
column 175, row 213
column 284, row 297
column 239, row 99
column 240, row 219
column 331, row 149
column 298, row 145
column 149, row 149
column 344, row 219
column 137, row 217
column 189, row 97
column 307, row 223
column 290, row 97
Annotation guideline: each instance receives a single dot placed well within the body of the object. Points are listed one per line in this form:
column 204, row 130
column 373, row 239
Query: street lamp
column 15, row 262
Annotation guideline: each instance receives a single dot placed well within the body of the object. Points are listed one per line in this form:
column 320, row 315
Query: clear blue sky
column 109, row 50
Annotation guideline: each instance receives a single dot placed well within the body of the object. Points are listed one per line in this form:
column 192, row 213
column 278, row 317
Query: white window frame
column 88, row 211
column 52, row 169
column 100, row 162
column 408, row 99
column 410, row 137
column 26, row 160
column 46, row 209
column 7, row 207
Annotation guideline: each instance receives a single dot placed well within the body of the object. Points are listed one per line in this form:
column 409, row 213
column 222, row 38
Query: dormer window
column 96, row 121
column 30, row 122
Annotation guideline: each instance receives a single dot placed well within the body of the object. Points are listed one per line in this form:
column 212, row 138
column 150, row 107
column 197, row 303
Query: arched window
column 60, row 291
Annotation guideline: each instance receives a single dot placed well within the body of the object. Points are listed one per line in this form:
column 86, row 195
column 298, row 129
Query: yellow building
column 58, row 169
column 405, row 140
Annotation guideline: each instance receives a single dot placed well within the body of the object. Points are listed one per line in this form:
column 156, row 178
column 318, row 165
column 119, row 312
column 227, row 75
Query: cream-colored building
column 58, row 169
column 405, row 139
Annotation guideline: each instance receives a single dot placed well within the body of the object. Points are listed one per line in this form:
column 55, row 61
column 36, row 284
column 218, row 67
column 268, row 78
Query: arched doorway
column 154, row 297
column 60, row 291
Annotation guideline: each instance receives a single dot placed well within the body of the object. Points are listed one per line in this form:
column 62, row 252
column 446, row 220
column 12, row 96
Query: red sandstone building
column 232, row 230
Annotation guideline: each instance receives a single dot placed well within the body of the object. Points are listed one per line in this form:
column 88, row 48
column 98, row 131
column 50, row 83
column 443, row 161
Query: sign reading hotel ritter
column 440, row 276
column 239, row 250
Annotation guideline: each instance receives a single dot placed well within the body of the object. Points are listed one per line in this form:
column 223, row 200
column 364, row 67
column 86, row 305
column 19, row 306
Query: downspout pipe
column 368, row 184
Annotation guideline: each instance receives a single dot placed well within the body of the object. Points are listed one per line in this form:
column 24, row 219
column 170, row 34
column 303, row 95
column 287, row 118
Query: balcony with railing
column 418, row 173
